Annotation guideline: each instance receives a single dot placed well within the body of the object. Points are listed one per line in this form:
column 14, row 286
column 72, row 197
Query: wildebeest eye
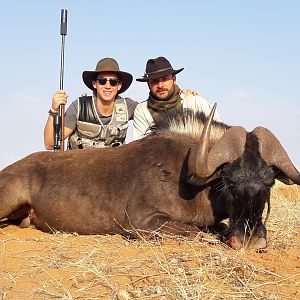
column 233, row 189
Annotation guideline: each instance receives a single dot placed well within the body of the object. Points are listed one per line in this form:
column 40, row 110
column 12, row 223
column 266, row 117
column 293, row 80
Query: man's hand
column 59, row 98
column 188, row 92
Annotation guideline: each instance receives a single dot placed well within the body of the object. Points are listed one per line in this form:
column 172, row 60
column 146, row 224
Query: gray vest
column 90, row 131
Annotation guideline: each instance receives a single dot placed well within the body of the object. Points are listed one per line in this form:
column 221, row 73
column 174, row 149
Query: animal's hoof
column 261, row 245
column 257, row 244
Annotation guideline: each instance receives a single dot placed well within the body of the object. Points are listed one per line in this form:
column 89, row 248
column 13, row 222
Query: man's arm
column 207, row 107
column 198, row 103
column 59, row 97
column 131, row 105
column 142, row 121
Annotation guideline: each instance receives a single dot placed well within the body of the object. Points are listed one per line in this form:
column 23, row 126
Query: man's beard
column 170, row 95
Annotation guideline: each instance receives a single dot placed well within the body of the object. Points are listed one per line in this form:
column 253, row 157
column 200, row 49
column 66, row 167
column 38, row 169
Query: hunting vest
column 92, row 133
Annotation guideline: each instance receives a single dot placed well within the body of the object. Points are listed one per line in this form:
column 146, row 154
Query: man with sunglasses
column 164, row 96
column 100, row 120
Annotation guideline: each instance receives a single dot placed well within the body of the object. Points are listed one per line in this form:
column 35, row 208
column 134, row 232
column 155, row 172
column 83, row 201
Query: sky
column 241, row 54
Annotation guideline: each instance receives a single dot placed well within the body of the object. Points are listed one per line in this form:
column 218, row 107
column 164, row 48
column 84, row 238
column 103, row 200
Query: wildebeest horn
column 202, row 150
column 274, row 154
column 227, row 149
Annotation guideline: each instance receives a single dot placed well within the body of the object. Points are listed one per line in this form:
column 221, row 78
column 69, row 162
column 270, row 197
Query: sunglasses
column 112, row 81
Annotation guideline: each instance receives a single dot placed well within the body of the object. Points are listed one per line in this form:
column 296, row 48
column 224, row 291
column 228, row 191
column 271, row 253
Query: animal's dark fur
column 147, row 185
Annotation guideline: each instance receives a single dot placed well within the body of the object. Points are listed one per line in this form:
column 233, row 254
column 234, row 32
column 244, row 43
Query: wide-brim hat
column 104, row 65
column 157, row 68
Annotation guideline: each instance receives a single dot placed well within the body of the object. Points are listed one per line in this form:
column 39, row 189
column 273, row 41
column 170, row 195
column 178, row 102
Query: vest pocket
column 89, row 129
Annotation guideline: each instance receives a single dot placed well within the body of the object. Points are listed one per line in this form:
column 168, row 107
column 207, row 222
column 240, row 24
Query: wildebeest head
column 242, row 167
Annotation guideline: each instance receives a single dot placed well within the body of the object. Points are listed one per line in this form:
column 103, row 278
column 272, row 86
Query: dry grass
column 36, row 265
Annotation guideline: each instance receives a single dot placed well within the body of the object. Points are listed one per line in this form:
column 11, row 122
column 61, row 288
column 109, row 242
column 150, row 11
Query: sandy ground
column 38, row 265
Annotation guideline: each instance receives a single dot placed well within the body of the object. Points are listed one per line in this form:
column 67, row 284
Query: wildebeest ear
column 281, row 176
column 275, row 155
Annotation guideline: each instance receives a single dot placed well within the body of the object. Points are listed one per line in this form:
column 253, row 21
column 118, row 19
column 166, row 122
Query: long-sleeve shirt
column 143, row 120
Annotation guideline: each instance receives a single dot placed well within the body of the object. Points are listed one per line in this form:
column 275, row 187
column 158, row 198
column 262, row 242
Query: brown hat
column 107, row 64
column 156, row 68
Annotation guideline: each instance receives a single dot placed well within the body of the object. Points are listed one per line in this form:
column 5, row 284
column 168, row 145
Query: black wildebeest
column 178, row 180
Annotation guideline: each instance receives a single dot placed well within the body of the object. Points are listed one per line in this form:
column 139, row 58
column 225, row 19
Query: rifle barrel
column 63, row 33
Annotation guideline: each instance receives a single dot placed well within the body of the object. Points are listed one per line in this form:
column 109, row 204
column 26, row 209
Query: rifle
column 58, row 120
